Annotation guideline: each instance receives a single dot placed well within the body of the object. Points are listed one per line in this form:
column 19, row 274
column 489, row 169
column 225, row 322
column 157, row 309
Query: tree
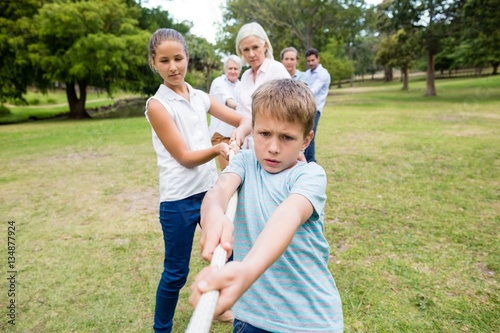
column 480, row 33
column 16, row 72
column 399, row 50
column 300, row 23
column 90, row 43
column 429, row 20
column 203, row 57
column 334, row 59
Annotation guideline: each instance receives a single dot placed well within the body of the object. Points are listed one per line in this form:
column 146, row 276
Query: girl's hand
column 242, row 131
column 223, row 149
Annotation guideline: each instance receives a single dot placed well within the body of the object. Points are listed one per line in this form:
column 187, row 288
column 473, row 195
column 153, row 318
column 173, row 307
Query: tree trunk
column 77, row 105
column 404, row 72
column 495, row 67
column 431, row 87
column 387, row 74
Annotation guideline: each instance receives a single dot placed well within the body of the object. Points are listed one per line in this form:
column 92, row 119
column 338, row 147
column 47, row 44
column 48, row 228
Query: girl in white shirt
column 177, row 114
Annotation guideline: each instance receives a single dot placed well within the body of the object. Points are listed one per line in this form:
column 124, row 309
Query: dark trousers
column 242, row 327
column 310, row 150
column 178, row 221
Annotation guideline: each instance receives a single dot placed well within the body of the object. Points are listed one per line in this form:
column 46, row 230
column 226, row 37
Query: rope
column 203, row 314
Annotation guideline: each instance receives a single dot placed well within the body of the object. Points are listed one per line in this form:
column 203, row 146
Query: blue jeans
column 310, row 150
column 242, row 327
column 178, row 221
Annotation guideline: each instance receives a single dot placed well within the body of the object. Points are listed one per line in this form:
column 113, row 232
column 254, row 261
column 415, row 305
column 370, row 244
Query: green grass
column 412, row 215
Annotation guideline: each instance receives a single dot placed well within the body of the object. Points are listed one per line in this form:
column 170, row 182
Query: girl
column 177, row 114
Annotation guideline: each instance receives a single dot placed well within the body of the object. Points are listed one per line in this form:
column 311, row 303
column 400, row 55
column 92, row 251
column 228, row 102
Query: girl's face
column 278, row 143
column 254, row 51
column 171, row 62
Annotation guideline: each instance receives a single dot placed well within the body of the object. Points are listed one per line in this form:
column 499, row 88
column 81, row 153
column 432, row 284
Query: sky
column 203, row 13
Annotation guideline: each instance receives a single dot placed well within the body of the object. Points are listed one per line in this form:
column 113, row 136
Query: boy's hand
column 214, row 233
column 231, row 280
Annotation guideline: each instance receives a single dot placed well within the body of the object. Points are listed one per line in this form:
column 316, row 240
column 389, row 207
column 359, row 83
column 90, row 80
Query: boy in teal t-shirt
column 279, row 279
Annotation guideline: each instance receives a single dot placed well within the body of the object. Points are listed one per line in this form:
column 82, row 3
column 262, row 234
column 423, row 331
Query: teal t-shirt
column 297, row 293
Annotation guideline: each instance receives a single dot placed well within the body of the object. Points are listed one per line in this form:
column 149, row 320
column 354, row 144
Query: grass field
column 412, row 215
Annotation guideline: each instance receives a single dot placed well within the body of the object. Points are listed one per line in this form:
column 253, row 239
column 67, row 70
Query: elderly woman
column 254, row 47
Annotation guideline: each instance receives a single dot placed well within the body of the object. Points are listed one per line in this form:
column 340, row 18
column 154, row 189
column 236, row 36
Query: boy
column 279, row 280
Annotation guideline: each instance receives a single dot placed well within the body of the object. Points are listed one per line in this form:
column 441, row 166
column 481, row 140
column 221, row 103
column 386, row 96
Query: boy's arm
column 236, row 277
column 216, row 228
column 278, row 233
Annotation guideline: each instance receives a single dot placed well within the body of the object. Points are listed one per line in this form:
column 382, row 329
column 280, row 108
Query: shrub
column 4, row 111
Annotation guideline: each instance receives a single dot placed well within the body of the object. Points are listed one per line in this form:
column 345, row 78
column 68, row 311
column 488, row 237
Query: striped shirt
column 297, row 293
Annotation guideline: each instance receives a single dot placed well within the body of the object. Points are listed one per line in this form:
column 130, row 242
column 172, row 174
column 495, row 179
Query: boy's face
column 278, row 143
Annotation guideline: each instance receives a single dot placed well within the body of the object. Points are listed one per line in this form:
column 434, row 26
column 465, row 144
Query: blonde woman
column 255, row 49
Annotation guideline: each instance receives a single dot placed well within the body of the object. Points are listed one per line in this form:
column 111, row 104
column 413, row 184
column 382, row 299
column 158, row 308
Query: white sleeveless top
column 176, row 181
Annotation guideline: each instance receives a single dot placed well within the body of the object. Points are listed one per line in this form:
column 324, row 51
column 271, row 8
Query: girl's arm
column 216, row 228
column 236, row 277
column 242, row 123
column 172, row 140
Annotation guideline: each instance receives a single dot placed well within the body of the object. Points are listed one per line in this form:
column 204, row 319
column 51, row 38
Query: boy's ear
column 307, row 140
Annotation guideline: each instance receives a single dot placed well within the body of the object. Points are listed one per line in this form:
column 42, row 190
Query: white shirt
column 269, row 70
column 222, row 89
column 319, row 83
column 176, row 181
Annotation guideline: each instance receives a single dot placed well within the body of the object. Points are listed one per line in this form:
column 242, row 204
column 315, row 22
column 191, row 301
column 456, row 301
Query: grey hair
column 161, row 35
column 233, row 58
column 253, row 29
column 289, row 49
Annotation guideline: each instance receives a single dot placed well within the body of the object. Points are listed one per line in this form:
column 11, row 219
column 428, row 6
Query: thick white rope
column 203, row 314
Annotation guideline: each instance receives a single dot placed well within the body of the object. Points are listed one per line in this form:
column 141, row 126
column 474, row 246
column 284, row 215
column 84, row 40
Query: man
column 319, row 83
column 290, row 58
column 225, row 89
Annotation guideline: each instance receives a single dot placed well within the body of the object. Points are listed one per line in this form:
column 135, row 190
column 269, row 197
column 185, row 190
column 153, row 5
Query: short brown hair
column 287, row 100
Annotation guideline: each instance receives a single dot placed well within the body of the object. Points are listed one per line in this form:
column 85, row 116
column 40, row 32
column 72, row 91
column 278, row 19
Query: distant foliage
column 4, row 111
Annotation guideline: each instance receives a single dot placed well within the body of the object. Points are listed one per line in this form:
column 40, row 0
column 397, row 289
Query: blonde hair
column 253, row 29
column 285, row 100
column 158, row 37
